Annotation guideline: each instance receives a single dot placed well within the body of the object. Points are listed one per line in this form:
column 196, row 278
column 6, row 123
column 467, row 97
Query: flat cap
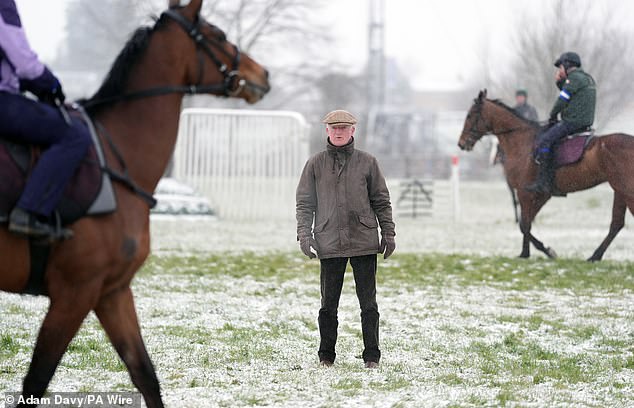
column 340, row 117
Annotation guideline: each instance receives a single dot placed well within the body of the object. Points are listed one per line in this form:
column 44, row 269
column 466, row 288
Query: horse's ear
column 191, row 8
column 482, row 95
column 177, row 3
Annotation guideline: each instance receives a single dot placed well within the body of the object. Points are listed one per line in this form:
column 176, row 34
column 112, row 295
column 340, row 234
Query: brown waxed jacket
column 343, row 191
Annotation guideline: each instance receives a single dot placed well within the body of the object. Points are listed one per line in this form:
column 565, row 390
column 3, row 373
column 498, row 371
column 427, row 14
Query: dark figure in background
column 24, row 120
column 576, row 104
column 522, row 107
column 343, row 191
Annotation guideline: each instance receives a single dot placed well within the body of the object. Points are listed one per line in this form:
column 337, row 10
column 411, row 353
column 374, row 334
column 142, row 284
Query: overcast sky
column 437, row 42
column 428, row 38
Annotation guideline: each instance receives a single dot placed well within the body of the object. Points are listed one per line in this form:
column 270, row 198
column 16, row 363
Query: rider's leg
column 545, row 157
column 25, row 120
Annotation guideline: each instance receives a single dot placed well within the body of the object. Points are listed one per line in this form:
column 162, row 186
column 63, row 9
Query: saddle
column 89, row 192
column 570, row 149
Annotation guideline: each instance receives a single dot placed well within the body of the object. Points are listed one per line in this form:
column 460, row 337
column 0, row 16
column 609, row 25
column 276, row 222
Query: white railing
column 246, row 162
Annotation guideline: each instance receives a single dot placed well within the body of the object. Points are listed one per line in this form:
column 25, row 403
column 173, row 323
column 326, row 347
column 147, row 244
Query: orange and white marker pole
column 455, row 183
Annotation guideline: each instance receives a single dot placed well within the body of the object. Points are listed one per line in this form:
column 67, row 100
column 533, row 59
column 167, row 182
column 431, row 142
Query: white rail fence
column 246, row 162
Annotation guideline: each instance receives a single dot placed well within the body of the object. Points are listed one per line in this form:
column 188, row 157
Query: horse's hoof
column 551, row 253
column 594, row 259
column 523, row 256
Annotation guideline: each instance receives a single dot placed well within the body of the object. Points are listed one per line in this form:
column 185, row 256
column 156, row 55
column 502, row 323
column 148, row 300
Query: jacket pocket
column 369, row 222
column 319, row 228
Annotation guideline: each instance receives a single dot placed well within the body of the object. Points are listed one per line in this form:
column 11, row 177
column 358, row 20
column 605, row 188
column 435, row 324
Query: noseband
column 474, row 133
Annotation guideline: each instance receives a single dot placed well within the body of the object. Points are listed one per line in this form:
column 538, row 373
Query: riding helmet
column 568, row 59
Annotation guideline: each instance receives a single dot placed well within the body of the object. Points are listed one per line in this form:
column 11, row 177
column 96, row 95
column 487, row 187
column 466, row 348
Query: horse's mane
column 514, row 112
column 116, row 80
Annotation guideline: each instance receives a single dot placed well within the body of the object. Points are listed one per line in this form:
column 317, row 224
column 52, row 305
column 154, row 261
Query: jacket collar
column 346, row 149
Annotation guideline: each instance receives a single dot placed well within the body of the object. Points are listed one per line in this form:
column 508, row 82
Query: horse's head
column 218, row 66
column 475, row 126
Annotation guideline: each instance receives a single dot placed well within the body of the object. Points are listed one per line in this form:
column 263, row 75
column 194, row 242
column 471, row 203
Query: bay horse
column 138, row 105
column 608, row 158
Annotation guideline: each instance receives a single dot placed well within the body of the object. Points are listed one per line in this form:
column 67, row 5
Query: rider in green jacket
column 576, row 104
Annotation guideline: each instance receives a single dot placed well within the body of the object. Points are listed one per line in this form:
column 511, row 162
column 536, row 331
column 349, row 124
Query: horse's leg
column 539, row 245
column 118, row 317
column 619, row 206
column 525, row 228
column 530, row 205
column 514, row 198
column 64, row 317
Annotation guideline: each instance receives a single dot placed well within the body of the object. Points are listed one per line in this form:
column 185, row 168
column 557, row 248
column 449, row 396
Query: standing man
column 343, row 191
column 576, row 104
column 522, row 107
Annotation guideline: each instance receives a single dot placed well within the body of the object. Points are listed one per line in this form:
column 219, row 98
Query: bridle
column 203, row 45
column 475, row 133
column 232, row 84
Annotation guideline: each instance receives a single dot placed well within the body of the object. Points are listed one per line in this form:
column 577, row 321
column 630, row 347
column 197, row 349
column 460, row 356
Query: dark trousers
column 332, row 273
column 552, row 135
column 26, row 121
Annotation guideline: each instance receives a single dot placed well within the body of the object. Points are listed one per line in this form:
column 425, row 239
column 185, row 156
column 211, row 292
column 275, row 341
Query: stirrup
column 43, row 233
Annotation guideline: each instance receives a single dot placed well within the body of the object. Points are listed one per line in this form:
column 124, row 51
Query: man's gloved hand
column 388, row 245
column 58, row 94
column 46, row 87
column 305, row 243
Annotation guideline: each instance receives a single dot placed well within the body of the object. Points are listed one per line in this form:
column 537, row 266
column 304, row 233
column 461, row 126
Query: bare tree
column 257, row 24
column 589, row 28
column 96, row 31
column 282, row 34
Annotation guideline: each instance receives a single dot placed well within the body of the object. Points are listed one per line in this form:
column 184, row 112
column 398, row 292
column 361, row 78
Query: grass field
column 457, row 331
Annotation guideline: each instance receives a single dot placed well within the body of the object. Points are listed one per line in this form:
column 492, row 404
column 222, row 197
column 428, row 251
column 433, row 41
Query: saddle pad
column 105, row 202
column 570, row 149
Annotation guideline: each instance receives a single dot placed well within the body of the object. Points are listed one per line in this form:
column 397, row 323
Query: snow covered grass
column 240, row 329
column 228, row 310
column 573, row 226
